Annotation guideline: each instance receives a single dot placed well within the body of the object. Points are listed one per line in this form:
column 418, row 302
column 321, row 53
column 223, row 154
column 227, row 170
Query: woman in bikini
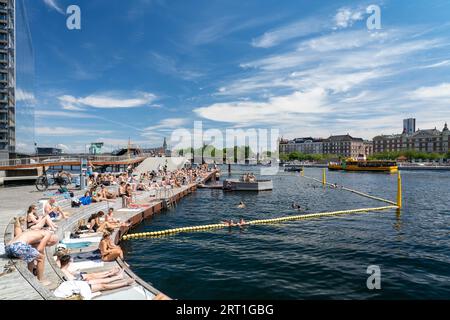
column 109, row 251
column 34, row 222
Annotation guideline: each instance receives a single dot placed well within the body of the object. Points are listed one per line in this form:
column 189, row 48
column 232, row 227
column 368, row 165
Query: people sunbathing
column 35, row 222
column 54, row 211
column 108, row 249
column 99, row 281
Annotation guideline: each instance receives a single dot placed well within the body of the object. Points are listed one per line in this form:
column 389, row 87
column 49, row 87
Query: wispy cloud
column 169, row 123
column 50, row 114
column 108, row 100
column 314, row 101
column 64, row 131
column 345, row 17
column 167, row 65
column 445, row 63
column 26, row 96
column 439, row 92
column 294, row 30
column 53, row 4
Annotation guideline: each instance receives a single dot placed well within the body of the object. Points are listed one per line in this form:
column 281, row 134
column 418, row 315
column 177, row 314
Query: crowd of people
column 35, row 231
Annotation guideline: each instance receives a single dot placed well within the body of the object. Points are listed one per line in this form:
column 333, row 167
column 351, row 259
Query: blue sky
column 142, row 68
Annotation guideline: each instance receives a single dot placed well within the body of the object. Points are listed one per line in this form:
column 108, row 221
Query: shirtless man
column 53, row 210
column 29, row 246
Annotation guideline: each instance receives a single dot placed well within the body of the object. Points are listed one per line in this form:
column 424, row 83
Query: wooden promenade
column 17, row 283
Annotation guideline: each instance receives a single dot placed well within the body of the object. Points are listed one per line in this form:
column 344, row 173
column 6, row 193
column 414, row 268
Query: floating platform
column 238, row 185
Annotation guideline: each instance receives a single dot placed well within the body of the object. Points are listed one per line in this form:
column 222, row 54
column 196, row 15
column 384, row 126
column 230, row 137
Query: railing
column 63, row 158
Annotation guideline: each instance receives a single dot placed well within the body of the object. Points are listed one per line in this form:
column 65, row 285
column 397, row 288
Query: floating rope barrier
column 253, row 222
column 353, row 191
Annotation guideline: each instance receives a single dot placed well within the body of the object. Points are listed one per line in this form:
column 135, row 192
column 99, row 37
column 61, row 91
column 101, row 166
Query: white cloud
column 26, row 96
column 170, row 123
column 310, row 102
column 439, row 92
column 345, row 17
column 54, row 5
column 109, row 100
column 49, row 114
column 291, row 31
column 64, row 131
column 444, row 63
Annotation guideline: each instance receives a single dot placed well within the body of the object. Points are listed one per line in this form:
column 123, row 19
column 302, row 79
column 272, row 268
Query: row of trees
column 306, row 157
column 237, row 153
column 409, row 155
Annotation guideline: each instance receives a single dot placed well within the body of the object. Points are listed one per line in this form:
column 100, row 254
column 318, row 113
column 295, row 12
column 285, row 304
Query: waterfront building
column 43, row 151
column 409, row 126
column 7, row 79
column 429, row 140
column 345, row 146
column 303, row 145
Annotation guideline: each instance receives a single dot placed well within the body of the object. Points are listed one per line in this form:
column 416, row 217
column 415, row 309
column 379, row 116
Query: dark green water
column 324, row 258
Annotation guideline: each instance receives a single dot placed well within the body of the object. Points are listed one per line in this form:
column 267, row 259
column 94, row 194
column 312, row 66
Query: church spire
column 445, row 127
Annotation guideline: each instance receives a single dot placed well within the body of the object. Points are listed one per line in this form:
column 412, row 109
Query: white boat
column 239, row 185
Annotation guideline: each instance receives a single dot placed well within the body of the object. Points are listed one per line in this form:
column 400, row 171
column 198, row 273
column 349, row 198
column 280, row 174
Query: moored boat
column 364, row 165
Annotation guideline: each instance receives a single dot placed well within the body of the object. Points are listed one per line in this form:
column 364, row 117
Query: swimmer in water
column 296, row 206
column 229, row 223
column 242, row 223
column 241, row 205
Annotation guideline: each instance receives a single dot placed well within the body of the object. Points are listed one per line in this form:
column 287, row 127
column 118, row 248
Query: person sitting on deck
column 29, row 246
column 109, row 216
column 105, row 193
column 86, row 199
column 99, row 281
column 51, row 209
column 34, row 222
column 94, row 222
column 108, row 249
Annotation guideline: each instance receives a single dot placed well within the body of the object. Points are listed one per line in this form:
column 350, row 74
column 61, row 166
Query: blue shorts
column 22, row 251
column 52, row 215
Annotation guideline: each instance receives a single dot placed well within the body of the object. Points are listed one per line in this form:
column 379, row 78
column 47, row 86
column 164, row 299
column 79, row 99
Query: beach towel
column 83, row 265
column 86, row 239
column 70, row 288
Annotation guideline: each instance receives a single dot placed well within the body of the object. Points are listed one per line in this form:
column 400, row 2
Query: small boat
column 364, row 165
column 241, row 185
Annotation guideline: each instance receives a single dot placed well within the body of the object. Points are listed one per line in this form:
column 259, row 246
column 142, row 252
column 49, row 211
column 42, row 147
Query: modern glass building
column 16, row 80
column 7, row 78
column 25, row 83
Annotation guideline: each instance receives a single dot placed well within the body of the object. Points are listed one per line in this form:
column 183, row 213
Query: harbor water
column 324, row 258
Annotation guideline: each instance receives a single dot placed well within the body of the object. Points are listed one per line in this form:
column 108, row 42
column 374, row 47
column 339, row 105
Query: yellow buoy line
column 253, row 222
column 323, row 181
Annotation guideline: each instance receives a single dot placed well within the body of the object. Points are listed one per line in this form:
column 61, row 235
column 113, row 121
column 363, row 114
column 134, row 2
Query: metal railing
column 65, row 158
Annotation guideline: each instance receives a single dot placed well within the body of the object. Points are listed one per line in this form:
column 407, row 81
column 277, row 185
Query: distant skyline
column 143, row 68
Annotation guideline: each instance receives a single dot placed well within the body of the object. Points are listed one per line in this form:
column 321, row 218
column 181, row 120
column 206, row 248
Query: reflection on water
column 323, row 258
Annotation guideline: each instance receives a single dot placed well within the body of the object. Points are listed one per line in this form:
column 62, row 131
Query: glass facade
column 25, row 85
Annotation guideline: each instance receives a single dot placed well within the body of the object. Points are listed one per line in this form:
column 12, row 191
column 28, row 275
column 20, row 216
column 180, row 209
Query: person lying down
column 99, row 281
